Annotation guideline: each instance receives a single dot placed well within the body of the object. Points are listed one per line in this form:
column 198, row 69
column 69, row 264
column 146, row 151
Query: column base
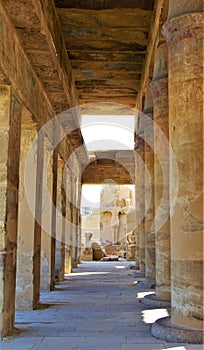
column 74, row 264
column 146, row 284
column 155, row 301
column 165, row 330
column 138, row 274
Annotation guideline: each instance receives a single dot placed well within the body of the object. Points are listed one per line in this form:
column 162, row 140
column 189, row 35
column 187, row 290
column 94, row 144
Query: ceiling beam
column 47, row 14
column 103, row 4
column 154, row 28
column 24, row 79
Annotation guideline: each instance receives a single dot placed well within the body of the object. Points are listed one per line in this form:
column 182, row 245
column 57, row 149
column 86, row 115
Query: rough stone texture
column 184, row 36
column 115, row 201
column 119, row 250
column 108, row 54
column 87, row 254
column 140, row 199
column 78, row 199
column 24, row 77
column 38, row 220
column 181, row 7
column 154, row 300
column 59, row 253
column 131, row 235
column 10, row 114
column 53, row 223
column 68, row 230
column 26, row 220
column 130, row 256
column 46, row 235
column 102, row 169
column 149, row 191
column 159, row 89
column 74, row 220
column 165, row 330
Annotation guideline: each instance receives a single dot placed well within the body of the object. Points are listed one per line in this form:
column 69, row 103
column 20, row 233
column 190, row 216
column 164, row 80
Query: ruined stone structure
column 140, row 58
column 111, row 225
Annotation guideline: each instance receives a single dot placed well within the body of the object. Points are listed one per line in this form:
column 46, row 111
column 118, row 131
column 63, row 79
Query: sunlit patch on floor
column 143, row 294
column 150, row 316
column 177, row 348
column 87, row 273
column 120, row 267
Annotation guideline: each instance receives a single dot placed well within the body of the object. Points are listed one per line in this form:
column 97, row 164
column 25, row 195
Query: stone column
column 159, row 89
column 26, row 219
column 79, row 189
column 68, row 229
column 46, row 234
column 184, row 34
column 59, row 253
column 136, row 216
column 141, row 195
column 38, row 218
column 149, row 193
column 74, row 221
column 122, row 229
column 54, row 201
column 129, row 225
column 10, row 116
column 136, row 205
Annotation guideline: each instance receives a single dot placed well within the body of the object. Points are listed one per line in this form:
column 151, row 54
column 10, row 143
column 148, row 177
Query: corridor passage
column 96, row 308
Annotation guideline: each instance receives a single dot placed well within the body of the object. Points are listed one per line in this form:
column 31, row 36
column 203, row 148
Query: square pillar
column 46, row 232
column 59, row 253
column 68, row 228
column 26, row 218
column 10, row 126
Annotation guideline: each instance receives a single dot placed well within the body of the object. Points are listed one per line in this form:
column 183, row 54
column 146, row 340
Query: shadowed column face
column 68, row 229
column 159, row 90
column 149, row 192
column 184, row 34
column 10, row 116
column 46, row 236
column 26, row 219
column 59, row 260
column 141, row 203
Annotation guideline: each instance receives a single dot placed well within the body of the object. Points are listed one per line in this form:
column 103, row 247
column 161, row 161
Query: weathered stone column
column 129, row 227
column 149, row 193
column 159, row 89
column 26, row 219
column 38, row 218
column 141, row 193
column 68, row 229
column 136, row 205
column 59, row 254
column 184, row 34
column 54, row 201
column 46, row 235
column 74, row 220
column 63, row 192
column 79, row 189
column 10, row 116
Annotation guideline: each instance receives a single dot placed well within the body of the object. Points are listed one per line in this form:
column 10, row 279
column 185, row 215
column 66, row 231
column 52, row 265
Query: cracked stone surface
column 97, row 307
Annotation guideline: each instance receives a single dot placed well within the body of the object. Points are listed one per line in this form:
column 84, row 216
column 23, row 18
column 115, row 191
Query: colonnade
column 176, row 177
column 36, row 248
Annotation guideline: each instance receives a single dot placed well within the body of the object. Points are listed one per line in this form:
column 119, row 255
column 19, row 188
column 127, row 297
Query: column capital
column 184, row 28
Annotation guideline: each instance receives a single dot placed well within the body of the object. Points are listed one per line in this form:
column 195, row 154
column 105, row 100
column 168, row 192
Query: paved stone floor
column 96, row 308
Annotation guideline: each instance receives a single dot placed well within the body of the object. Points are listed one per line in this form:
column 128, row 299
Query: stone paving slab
column 96, row 308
